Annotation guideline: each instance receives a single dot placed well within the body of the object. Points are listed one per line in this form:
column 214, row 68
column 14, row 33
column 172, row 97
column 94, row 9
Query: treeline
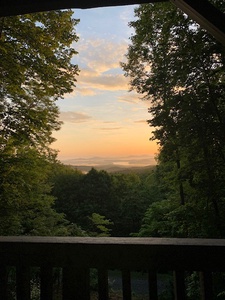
column 40, row 196
column 122, row 199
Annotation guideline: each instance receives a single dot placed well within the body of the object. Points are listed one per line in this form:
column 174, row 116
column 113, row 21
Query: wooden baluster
column 152, row 285
column 103, row 288
column 126, row 283
column 46, row 283
column 3, row 283
column 179, row 285
column 23, row 282
column 206, row 285
column 76, row 283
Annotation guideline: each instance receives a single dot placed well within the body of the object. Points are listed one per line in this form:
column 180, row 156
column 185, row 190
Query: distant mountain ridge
column 116, row 168
column 124, row 161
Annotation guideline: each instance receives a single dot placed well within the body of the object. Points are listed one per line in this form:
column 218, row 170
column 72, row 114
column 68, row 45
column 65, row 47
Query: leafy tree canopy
column 180, row 68
column 100, row 225
column 96, row 199
column 26, row 205
column 35, row 71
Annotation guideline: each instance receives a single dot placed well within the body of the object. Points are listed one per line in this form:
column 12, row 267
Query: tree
column 96, row 197
column 100, row 225
column 79, row 195
column 132, row 196
column 180, row 68
column 26, row 205
column 35, row 71
column 120, row 198
column 66, row 186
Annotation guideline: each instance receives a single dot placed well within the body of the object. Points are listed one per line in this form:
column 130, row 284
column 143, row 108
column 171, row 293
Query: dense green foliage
column 35, row 71
column 26, row 206
column 180, row 68
column 121, row 199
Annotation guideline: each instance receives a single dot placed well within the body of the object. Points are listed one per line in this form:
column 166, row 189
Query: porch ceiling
column 201, row 11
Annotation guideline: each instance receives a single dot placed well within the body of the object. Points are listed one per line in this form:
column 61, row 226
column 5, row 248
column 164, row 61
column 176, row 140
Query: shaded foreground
column 76, row 256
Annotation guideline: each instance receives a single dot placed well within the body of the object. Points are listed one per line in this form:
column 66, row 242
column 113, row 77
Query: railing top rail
column 114, row 240
column 113, row 253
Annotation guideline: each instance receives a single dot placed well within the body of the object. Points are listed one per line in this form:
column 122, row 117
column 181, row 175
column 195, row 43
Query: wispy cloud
column 141, row 121
column 110, row 128
column 99, row 62
column 83, row 91
column 101, row 55
column 109, row 122
column 74, row 117
column 106, row 82
column 131, row 98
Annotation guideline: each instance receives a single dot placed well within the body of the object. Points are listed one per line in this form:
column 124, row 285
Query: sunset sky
column 101, row 118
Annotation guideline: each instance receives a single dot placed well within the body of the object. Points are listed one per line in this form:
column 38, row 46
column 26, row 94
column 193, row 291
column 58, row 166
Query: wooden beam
column 202, row 11
column 17, row 7
column 206, row 14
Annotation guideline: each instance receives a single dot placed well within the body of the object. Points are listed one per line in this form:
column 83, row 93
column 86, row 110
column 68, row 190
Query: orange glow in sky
column 101, row 118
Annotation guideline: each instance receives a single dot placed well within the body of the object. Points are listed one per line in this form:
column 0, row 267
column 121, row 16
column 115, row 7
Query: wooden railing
column 75, row 256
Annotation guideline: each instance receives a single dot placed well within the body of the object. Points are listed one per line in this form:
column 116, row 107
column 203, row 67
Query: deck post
column 76, row 283
column 179, row 285
column 46, row 283
column 152, row 285
column 3, row 283
column 206, row 285
column 23, row 282
column 126, row 283
column 103, row 286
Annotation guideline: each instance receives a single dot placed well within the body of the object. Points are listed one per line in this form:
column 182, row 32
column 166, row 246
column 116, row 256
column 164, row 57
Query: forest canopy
column 35, row 71
column 172, row 62
column 179, row 67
